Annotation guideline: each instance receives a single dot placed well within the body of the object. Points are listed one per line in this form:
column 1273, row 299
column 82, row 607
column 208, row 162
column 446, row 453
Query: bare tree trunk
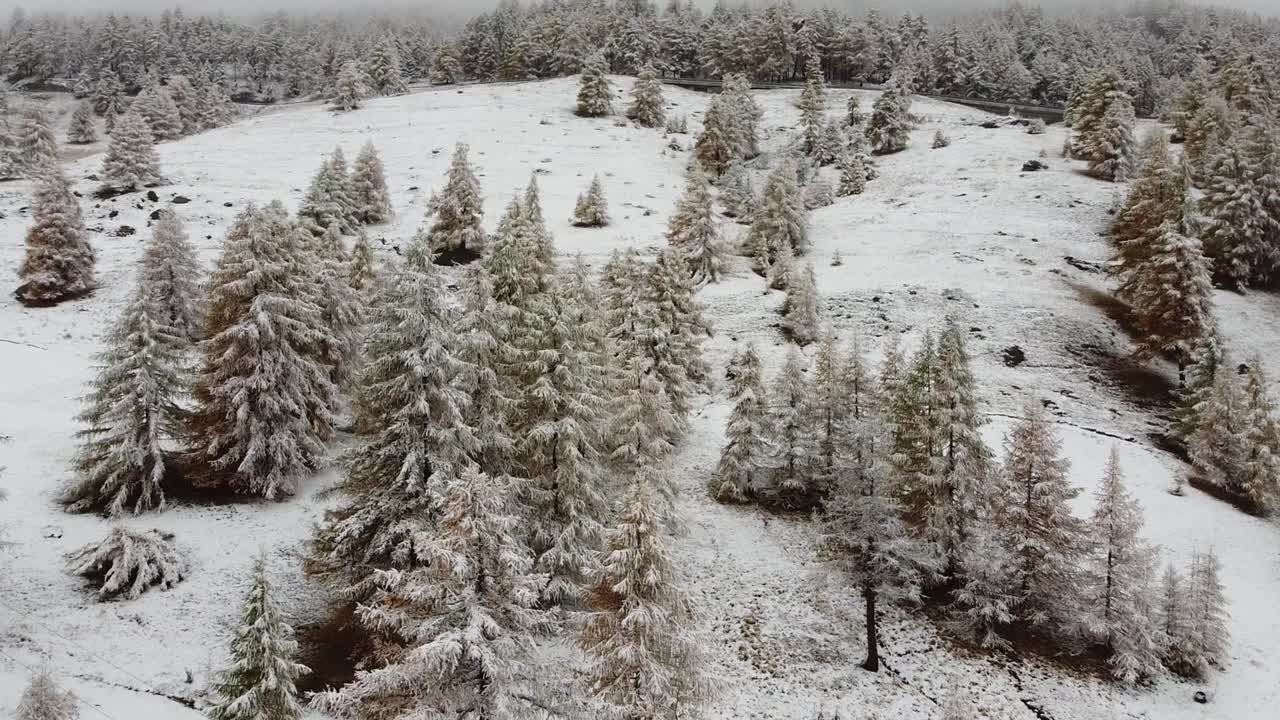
column 872, row 662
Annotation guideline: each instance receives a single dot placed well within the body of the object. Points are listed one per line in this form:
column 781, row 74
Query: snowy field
column 1014, row 257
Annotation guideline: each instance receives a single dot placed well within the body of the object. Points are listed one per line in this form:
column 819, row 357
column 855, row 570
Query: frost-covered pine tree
column 793, row 446
column 159, row 111
column 643, row 654
column 362, row 274
column 1172, row 617
column 889, row 128
column 1196, row 90
column 737, row 193
column 58, row 264
column 131, row 160
column 491, row 365
column 715, row 147
column 782, row 268
column 329, row 202
column 940, row 140
column 350, row 89
column 341, row 307
column 1171, row 295
column 42, row 699
column 259, row 683
column 1046, row 540
column 988, row 591
column 1121, row 568
column 678, row 311
column 10, row 160
column 1093, row 95
column 1217, row 446
column 446, row 68
column 36, row 144
column 458, row 625
column 1198, row 384
column 1110, row 148
column 84, row 129
column 693, row 232
column 1205, row 643
column 458, row 209
column 594, row 95
column 384, row 73
column 1157, row 195
column 646, row 99
column 802, row 309
column 813, row 108
column 264, row 331
column 369, row 187
column 131, row 412
column 591, row 210
column 411, row 413
column 186, row 99
column 215, row 108
column 172, row 272
column 642, row 427
column 853, row 115
column 1239, row 232
column 1260, row 471
column 739, row 472
column 780, row 221
column 853, row 175
column 743, row 114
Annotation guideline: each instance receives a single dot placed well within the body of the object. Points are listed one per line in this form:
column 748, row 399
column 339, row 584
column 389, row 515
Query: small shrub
column 1036, row 127
column 836, row 259
column 818, row 194
column 940, row 140
column 678, row 125
column 128, row 562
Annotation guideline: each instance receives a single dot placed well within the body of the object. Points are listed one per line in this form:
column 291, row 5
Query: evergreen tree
column 384, row 73
column 1171, row 295
column 446, row 69
column 780, row 221
column 853, row 175
column 131, row 411
column 42, row 699
column 802, row 307
column 1198, row 384
column 264, row 333
column 594, row 96
column 458, row 625
column 988, row 592
column 1121, row 570
column 1217, row 446
column 854, row 117
column 83, row 130
column 889, row 128
column 1197, row 88
column 215, row 109
column 793, row 447
column 1110, row 149
column 1157, row 196
column 489, row 367
column 458, row 209
column 813, row 109
column 834, row 398
column 159, row 111
column 646, row 99
column 1208, row 130
column 642, row 426
column 715, row 147
column 341, row 307
column 692, row 232
column 59, row 261
column 1242, row 231
column 186, row 99
column 172, row 272
column 591, row 209
column 643, row 656
column 131, row 160
column 362, row 275
column 369, row 188
column 329, row 202
column 1260, row 476
column 260, row 682
column 1046, row 539
column 1173, row 618
column 1206, row 640
column 743, row 116
column 350, row 89
column 1098, row 92
column 742, row 458
column 36, row 145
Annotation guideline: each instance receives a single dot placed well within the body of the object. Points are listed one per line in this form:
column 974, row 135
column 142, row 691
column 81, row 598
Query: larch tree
column 172, row 272
column 1157, row 195
column 1208, row 131
column 853, row 115
column 1217, row 446
column 131, row 161
column 1207, row 639
column 446, row 68
column 642, row 427
column 987, row 594
column 132, row 411
column 802, row 309
column 186, row 99
column 384, row 71
column 1260, row 471
column 678, row 311
column 813, row 108
column 1173, row 617
column 743, row 114
column 1096, row 94
column 1046, row 540
column 490, row 367
column 1121, row 568
column 853, row 175
column 42, row 699
column 737, row 193
column 715, row 147
column 329, row 203
column 1196, row 89
column 1198, row 384
column 36, row 144
column 591, row 210
column 889, row 129
column 458, row 208
column 646, row 99
column 458, row 625
column 260, row 682
column 739, row 472
column 643, row 655
column 83, row 129
column 58, row 264
column 341, row 307
column 159, row 111
column 595, row 99
column 781, row 219
column 793, row 451
column 264, row 398
column 369, row 187
column 350, row 89
column 1111, row 149
column 362, row 274
column 692, row 231
column 1242, row 227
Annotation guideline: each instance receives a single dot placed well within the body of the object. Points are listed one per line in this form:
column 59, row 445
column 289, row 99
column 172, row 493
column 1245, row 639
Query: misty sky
column 467, row 8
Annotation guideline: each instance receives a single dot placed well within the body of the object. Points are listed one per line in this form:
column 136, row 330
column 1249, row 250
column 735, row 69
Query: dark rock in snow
column 1033, row 165
column 226, row 204
column 1200, row 697
column 152, row 196
column 155, row 214
column 113, row 213
column 180, row 200
column 1084, row 265
column 1013, row 356
column 125, row 231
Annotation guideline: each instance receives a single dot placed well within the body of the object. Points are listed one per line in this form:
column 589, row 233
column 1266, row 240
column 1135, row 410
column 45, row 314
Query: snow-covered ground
column 1014, row 257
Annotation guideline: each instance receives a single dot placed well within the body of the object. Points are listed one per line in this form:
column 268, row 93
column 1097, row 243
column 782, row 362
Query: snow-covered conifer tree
column 646, row 99
column 1096, row 94
column 350, row 89
column 362, row 274
column 131, row 160
column 490, row 366
column 889, row 128
column 1047, row 541
column 172, row 273
column 259, row 683
column 1260, row 476
column 458, row 624
column 1196, row 90
column 591, row 209
column 802, row 309
column 36, row 144
column 737, row 193
column 1111, row 149
column 693, row 232
column 891, row 372
column 680, row 315
column 794, row 453
column 215, row 109
column 58, row 264
column 446, row 68
column 1172, row 617
column 458, row 209
column 1120, row 576
column 329, row 202
column 834, row 397
column 940, row 140
column 780, row 220
column 813, row 108
column 83, row 128
column 384, row 73
column 853, row 175
column 264, row 331
column 341, row 307
column 743, row 115
column 1205, row 643
column 644, row 659
column 159, row 111
column 132, row 411
column 1217, row 445
column 642, row 426
column 42, row 699
column 1208, row 131
column 715, row 147
column 187, row 101
column 1171, row 294
column 742, row 459
column 1239, row 233
column 369, row 187
column 853, row 115
column 1198, row 384
column 988, row 592
column 594, row 97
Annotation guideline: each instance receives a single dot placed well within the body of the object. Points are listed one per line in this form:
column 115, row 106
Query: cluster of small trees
column 913, row 502
column 28, row 146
